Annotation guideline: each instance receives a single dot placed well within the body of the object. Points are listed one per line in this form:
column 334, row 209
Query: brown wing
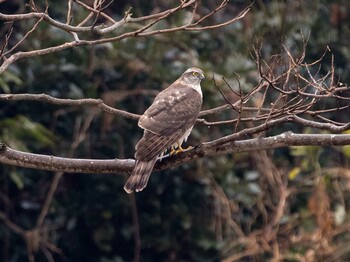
column 173, row 111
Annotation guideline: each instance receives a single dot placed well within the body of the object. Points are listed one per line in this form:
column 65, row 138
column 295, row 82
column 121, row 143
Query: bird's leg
column 172, row 151
column 179, row 149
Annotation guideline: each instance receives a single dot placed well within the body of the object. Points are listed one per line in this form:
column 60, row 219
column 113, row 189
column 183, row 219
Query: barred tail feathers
column 139, row 176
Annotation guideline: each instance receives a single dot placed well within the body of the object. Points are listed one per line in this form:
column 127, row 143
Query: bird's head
column 193, row 76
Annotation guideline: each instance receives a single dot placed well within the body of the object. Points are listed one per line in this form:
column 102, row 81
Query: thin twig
column 69, row 102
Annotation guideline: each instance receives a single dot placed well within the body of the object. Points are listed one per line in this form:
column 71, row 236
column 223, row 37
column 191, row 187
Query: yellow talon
column 179, row 150
column 172, row 152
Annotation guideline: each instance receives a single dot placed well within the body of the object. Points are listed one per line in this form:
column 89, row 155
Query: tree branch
column 108, row 109
column 142, row 31
column 69, row 102
column 70, row 165
column 13, row 157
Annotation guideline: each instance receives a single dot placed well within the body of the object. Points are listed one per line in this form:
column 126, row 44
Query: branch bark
column 13, row 157
column 70, row 165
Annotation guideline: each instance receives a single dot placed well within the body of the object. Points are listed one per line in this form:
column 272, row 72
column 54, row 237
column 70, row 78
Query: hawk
column 167, row 123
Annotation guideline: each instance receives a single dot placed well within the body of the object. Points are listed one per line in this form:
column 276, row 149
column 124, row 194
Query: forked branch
column 114, row 31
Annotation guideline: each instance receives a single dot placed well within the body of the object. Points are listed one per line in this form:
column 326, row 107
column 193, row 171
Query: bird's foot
column 179, row 150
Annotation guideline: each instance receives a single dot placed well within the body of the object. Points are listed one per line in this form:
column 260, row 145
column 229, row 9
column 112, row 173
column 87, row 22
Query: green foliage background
column 186, row 213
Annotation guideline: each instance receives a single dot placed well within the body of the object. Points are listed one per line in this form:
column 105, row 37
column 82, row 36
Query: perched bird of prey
column 167, row 123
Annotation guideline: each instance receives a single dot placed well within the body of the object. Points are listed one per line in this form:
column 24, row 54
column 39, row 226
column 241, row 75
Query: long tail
column 139, row 176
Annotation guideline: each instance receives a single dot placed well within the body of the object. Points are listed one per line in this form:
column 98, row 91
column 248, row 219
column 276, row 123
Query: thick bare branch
column 124, row 166
column 52, row 163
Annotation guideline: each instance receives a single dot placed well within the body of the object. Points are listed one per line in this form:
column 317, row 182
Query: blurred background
column 210, row 210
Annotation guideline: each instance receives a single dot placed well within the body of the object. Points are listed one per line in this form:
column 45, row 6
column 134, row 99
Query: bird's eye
column 195, row 74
